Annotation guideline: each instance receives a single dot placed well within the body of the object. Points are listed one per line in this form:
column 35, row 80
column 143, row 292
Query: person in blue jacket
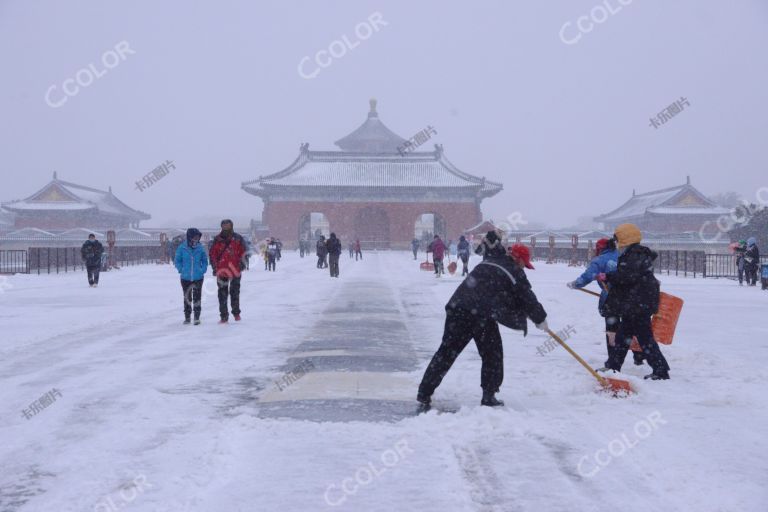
column 605, row 262
column 192, row 263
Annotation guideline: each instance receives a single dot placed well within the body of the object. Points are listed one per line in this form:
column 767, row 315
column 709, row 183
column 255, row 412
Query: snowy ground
column 156, row 416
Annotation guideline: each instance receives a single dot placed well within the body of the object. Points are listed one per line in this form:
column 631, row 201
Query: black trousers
column 414, row 253
column 271, row 262
column 193, row 293
column 334, row 265
column 93, row 274
column 465, row 263
column 460, row 327
column 751, row 274
column 639, row 326
column 358, row 254
column 228, row 286
column 322, row 262
column 438, row 265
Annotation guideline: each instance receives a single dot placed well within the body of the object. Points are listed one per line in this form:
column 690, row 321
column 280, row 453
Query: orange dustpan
column 426, row 265
column 615, row 386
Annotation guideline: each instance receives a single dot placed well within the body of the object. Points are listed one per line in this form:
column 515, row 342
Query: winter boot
column 657, row 376
column 638, row 358
column 186, row 320
column 606, row 369
column 490, row 400
column 237, row 318
column 425, row 403
column 224, row 320
column 197, row 321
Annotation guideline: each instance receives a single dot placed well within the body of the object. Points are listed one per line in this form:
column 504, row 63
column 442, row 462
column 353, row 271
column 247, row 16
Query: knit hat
column 628, row 234
column 601, row 245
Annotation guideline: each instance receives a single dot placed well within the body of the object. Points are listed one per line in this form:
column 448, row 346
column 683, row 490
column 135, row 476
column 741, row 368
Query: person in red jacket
column 227, row 257
column 437, row 248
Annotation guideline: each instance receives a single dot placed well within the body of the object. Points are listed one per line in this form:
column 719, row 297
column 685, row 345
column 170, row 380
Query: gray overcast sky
column 215, row 87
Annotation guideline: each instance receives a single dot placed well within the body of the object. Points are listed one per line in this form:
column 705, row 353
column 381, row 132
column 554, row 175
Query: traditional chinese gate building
column 62, row 205
column 371, row 189
column 672, row 210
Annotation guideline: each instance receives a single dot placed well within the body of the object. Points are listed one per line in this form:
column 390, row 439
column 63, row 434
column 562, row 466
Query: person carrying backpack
column 462, row 251
column 751, row 261
column 273, row 250
column 91, row 252
column 227, row 255
column 322, row 252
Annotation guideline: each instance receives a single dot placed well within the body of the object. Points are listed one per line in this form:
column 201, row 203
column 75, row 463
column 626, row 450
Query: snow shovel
column 635, row 345
column 451, row 265
column 588, row 291
column 426, row 265
column 615, row 386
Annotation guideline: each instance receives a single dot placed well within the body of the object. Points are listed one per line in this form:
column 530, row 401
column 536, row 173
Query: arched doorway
column 312, row 225
column 372, row 227
column 428, row 225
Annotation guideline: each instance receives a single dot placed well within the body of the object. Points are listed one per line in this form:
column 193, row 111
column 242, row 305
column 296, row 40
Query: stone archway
column 429, row 224
column 372, row 227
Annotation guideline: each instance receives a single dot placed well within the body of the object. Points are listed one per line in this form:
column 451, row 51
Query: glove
column 543, row 326
column 600, row 277
column 571, row 285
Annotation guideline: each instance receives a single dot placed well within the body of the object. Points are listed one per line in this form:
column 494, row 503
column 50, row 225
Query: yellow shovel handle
column 600, row 379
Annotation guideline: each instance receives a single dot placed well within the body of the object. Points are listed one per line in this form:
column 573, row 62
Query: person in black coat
column 91, row 252
column 632, row 299
column 462, row 251
column 751, row 261
column 496, row 292
column 489, row 243
column 322, row 253
column 333, row 246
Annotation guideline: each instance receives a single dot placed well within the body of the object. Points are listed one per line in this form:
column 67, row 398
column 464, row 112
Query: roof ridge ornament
column 372, row 102
column 54, row 175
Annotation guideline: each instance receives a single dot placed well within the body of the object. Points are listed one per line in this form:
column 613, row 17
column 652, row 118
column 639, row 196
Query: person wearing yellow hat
column 632, row 300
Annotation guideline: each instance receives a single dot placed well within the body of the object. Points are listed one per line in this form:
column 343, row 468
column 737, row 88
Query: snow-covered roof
column 680, row 200
column 342, row 169
column 28, row 234
column 482, row 228
column 59, row 195
column 132, row 234
column 370, row 159
column 78, row 233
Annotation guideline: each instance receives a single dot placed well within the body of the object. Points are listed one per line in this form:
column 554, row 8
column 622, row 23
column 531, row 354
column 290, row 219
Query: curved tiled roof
column 665, row 202
column 59, row 195
column 372, row 136
column 336, row 169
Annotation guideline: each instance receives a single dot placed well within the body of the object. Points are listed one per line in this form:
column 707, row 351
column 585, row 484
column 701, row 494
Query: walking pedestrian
column 192, row 263
column 437, row 248
column 462, row 251
column 415, row 246
column 751, row 261
column 91, row 252
column 358, row 250
column 273, row 250
column 496, row 292
column 333, row 246
column 322, row 252
column 226, row 255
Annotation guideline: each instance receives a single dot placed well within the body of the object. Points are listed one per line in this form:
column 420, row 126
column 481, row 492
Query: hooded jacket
column 437, row 248
column 605, row 263
column 634, row 290
column 333, row 245
column 191, row 262
column 498, row 289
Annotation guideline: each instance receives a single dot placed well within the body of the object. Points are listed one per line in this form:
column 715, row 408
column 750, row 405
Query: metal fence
column 14, row 262
column 55, row 260
column 724, row 265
